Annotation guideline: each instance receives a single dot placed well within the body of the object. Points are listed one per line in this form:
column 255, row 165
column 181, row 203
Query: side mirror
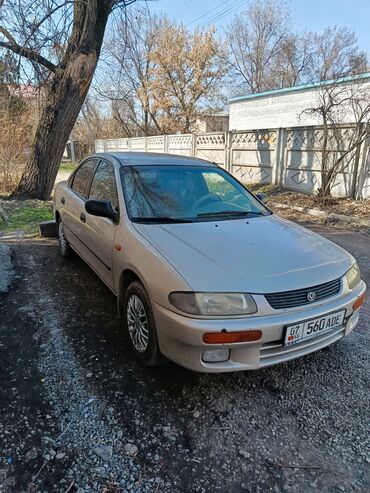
column 101, row 208
column 261, row 197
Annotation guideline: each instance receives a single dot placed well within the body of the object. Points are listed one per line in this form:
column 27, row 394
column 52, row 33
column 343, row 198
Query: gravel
column 77, row 409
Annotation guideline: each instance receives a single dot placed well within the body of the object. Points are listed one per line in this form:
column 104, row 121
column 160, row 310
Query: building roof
column 24, row 90
column 302, row 87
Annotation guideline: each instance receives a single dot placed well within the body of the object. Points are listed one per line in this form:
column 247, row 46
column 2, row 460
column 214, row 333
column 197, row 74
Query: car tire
column 139, row 324
column 64, row 246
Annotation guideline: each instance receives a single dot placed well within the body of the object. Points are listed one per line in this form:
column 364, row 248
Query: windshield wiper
column 159, row 220
column 230, row 213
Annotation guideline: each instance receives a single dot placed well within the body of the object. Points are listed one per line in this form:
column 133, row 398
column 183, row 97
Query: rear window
column 82, row 178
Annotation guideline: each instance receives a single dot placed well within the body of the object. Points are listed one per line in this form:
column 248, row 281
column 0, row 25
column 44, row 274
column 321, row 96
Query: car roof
column 154, row 158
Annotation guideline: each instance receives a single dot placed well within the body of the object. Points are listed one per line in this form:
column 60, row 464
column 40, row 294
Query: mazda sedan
column 204, row 273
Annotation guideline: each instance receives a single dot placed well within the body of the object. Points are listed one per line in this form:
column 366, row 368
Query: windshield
column 185, row 194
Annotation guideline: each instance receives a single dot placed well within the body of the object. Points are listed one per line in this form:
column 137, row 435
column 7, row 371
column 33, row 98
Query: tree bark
column 65, row 97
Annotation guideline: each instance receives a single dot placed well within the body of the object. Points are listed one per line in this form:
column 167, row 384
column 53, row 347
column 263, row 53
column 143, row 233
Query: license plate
column 312, row 327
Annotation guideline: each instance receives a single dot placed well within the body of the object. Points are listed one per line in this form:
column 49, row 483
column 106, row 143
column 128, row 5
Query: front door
column 99, row 232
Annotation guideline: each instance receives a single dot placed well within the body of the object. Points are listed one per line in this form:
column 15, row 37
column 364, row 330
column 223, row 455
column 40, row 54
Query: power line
column 208, row 12
column 224, row 13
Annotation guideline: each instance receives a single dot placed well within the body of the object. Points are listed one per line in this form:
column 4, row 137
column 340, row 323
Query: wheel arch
column 127, row 276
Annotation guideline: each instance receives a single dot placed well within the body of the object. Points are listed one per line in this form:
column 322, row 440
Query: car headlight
column 214, row 304
column 353, row 276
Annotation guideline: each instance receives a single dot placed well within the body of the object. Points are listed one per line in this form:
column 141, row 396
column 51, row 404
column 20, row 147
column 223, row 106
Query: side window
column 103, row 186
column 83, row 177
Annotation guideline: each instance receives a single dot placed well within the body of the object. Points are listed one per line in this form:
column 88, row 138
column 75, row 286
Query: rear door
column 99, row 232
column 73, row 205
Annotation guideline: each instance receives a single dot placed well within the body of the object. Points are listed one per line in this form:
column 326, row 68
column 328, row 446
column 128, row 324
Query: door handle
column 82, row 217
column 63, row 200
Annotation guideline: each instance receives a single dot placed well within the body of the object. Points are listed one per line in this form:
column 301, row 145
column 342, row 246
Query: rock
column 105, row 452
column 244, row 453
column 48, row 229
column 31, row 454
column 130, row 449
column 119, row 434
column 196, row 414
column 60, row 456
column 101, row 471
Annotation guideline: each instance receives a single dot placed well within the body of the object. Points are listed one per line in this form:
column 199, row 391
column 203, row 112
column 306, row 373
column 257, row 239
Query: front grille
column 298, row 297
column 272, row 353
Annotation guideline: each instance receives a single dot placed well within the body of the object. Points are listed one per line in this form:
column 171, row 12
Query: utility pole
column 72, row 144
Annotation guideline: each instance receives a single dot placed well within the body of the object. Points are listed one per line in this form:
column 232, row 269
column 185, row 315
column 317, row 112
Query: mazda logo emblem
column 311, row 296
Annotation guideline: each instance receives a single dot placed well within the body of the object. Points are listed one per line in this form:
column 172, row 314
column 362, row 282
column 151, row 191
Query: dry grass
column 338, row 205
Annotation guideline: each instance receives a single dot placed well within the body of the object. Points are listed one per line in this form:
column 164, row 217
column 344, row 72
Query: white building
column 285, row 107
column 218, row 122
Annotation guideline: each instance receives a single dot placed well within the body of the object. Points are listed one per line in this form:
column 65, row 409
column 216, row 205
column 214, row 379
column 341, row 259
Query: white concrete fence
column 289, row 157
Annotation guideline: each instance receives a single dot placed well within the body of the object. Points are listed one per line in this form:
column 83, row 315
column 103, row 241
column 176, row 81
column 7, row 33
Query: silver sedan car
column 204, row 273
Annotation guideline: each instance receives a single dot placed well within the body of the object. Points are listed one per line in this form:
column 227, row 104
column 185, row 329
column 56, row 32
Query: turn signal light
column 359, row 302
column 232, row 337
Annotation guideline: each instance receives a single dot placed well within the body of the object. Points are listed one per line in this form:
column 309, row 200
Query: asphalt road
column 78, row 413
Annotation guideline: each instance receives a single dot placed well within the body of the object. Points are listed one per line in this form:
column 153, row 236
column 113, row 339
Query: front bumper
column 180, row 337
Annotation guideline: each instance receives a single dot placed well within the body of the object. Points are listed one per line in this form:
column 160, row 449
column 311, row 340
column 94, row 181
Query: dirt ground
column 79, row 414
column 347, row 207
column 338, row 205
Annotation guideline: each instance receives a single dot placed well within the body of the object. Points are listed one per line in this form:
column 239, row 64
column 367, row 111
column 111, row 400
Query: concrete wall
column 212, row 123
column 286, row 107
column 273, row 111
column 290, row 157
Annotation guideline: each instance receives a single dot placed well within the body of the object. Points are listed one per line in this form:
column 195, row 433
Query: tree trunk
column 65, row 97
column 325, row 179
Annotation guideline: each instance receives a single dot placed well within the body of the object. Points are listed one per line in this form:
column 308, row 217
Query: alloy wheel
column 62, row 238
column 138, row 324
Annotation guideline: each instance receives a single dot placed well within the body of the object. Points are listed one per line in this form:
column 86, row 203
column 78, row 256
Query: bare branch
column 24, row 51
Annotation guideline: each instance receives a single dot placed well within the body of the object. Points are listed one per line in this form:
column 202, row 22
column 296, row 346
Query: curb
column 320, row 213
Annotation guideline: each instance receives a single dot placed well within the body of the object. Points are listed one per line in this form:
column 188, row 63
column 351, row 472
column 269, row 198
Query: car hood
column 258, row 255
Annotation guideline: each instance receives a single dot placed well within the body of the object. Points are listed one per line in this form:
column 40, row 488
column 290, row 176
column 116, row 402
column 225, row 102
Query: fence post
column 165, row 144
column 228, row 151
column 357, row 165
column 360, row 169
column 129, row 144
column 280, row 155
column 193, row 145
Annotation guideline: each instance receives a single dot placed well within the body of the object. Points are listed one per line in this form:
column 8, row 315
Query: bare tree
column 18, row 117
column 256, row 39
column 93, row 124
column 336, row 54
column 264, row 52
column 130, row 66
column 164, row 76
column 293, row 61
column 62, row 43
column 187, row 75
column 341, row 101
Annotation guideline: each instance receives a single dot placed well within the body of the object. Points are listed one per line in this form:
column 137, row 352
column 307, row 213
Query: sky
column 313, row 15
